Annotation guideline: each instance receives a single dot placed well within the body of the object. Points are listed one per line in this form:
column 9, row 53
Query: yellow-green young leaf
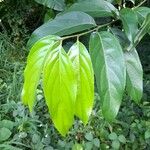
column 60, row 86
column 109, row 68
column 85, row 80
column 134, row 82
column 33, row 68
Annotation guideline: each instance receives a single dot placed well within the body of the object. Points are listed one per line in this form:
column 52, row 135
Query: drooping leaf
column 134, row 81
column 109, row 68
column 95, row 8
column 33, row 68
column 142, row 12
column 85, row 80
column 54, row 4
column 130, row 23
column 60, row 86
column 65, row 24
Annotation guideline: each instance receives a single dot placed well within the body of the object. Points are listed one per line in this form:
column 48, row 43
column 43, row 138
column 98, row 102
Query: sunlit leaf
column 59, row 84
column 85, row 80
column 34, row 67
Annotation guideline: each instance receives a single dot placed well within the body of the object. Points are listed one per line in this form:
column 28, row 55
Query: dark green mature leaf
column 59, row 84
column 34, row 67
column 65, row 24
column 120, row 35
column 142, row 12
column 54, row 4
column 130, row 23
column 85, row 80
column 145, row 28
column 95, row 8
column 134, row 81
column 109, row 69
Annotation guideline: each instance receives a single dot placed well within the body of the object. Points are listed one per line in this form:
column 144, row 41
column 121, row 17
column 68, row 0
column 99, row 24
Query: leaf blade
column 109, row 69
column 130, row 23
column 134, row 82
column 59, row 86
column 65, row 24
column 85, row 80
column 142, row 12
column 54, row 4
column 95, row 8
column 35, row 63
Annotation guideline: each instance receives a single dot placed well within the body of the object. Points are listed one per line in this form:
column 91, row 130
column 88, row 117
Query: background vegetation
column 21, row 130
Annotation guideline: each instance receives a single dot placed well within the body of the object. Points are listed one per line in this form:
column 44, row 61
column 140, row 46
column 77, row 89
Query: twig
column 89, row 31
column 140, row 4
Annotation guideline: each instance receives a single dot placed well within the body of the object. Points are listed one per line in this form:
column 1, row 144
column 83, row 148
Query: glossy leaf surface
column 130, row 23
column 34, row 67
column 85, row 80
column 145, row 28
column 142, row 12
column 54, row 4
column 59, row 86
column 65, row 24
column 95, row 8
column 109, row 68
column 134, row 83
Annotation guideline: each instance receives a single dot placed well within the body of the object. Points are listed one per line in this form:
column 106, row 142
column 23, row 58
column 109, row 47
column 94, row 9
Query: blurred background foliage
column 21, row 130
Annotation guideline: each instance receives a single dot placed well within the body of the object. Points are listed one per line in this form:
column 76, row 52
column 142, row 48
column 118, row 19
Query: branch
column 140, row 4
column 89, row 31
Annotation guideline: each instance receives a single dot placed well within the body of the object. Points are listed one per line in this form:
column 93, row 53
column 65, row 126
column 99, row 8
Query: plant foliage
column 68, row 78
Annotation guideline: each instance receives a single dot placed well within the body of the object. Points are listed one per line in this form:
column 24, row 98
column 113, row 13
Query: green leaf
column 95, row 8
column 34, row 67
column 7, row 124
column 59, row 84
column 147, row 134
column 122, row 139
column 89, row 136
column 120, row 35
column 96, row 142
column 134, row 81
column 113, row 136
column 115, row 144
column 4, row 134
column 142, row 12
column 145, row 28
column 77, row 147
column 49, row 15
column 54, row 4
column 85, row 80
column 109, row 69
column 65, row 24
column 130, row 23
